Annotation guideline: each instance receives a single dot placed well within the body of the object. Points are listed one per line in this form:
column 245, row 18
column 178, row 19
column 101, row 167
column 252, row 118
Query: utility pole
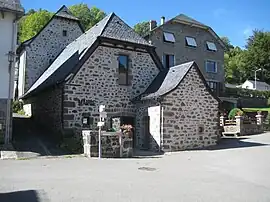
column 256, row 77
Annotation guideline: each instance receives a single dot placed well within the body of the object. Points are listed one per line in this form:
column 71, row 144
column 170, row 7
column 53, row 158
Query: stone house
column 37, row 53
column 112, row 65
column 182, row 39
column 178, row 111
column 10, row 13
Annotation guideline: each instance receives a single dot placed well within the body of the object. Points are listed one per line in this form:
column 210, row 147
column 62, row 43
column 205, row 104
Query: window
column 168, row 37
column 64, row 32
column 213, row 85
column 211, row 46
column 211, row 66
column 123, row 69
column 190, row 41
column 168, row 60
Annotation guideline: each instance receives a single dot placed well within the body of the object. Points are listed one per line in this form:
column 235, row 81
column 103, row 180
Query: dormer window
column 211, row 46
column 168, row 37
column 64, row 32
column 190, row 41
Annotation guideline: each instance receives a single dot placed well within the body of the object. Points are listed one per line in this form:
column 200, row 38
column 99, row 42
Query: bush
column 235, row 112
column 241, row 92
column 17, row 106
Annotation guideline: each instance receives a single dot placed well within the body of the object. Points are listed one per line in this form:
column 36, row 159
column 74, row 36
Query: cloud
column 247, row 31
column 219, row 12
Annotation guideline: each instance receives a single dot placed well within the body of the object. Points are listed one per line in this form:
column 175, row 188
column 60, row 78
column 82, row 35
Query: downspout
column 11, row 73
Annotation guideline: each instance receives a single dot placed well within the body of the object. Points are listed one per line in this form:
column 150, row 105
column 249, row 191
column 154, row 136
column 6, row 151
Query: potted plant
column 127, row 130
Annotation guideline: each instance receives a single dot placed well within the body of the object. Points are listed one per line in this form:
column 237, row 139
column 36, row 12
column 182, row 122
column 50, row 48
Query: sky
column 232, row 18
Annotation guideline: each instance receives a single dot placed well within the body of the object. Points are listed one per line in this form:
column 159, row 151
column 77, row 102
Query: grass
column 256, row 109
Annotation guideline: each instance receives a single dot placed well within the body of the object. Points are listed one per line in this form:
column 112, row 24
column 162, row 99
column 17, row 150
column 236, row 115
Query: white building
column 10, row 12
column 258, row 85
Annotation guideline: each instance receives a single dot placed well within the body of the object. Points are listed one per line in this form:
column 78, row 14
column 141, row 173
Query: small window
column 168, row 60
column 211, row 66
column 190, row 41
column 123, row 69
column 64, row 32
column 211, row 46
column 213, row 85
column 168, row 37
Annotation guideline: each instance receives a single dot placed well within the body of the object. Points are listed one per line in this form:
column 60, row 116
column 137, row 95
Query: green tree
column 258, row 55
column 227, row 43
column 142, row 28
column 88, row 16
column 32, row 23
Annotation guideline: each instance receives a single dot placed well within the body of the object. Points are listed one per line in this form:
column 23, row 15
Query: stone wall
column 3, row 114
column 114, row 145
column 96, row 83
column 185, row 53
column 190, row 115
column 47, row 46
column 47, row 109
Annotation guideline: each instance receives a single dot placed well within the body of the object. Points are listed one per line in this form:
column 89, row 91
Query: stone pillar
column 239, row 124
column 222, row 121
column 86, row 143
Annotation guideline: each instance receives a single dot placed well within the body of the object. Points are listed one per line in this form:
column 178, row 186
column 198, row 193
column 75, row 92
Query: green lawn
column 256, row 109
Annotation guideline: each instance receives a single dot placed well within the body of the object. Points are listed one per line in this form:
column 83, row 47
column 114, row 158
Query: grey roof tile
column 64, row 12
column 110, row 27
column 12, row 5
column 118, row 29
column 79, row 46
column 188, row 19
column 167, row 82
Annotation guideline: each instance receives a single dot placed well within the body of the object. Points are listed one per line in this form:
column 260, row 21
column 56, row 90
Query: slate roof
column 186, row 19
column 110, row 27
column 64, row 12
column 12, row 5
column 167, row 81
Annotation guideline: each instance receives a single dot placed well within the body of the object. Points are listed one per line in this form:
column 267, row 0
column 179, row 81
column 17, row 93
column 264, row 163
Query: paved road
column 236, row 171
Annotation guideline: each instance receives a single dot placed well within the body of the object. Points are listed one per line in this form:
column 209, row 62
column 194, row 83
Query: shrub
column 235, row 112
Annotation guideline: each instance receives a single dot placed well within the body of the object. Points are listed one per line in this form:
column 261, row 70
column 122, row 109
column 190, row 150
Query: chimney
column 162, row 20
column 153, row 24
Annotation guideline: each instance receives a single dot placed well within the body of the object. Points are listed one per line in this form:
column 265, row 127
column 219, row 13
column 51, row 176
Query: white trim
column 191, row 41
column 169, row 37
column 211, row 46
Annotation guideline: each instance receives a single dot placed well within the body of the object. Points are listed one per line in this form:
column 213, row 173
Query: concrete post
column 259, row 119
column 222, row 121
column 239, row 124
column 86, row 143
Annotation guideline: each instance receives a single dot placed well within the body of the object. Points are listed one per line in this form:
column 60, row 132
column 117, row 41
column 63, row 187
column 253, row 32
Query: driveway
column 235, row 171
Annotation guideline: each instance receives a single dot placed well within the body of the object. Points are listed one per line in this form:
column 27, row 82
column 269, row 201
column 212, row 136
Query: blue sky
column 232, row 18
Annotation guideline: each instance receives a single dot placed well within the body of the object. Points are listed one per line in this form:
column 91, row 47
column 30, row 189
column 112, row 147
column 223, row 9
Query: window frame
column 215, row 87
column 127, row 68
column 192, row 38
column 64, row 33
column 209, row 49
column 216, row 68
column 167, row 41
column 164, row 61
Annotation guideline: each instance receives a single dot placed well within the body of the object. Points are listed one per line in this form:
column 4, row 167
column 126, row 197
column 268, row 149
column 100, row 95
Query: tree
column 234, row 65
column 258, row 54
column 31, row 24
column 142, row 28
column 88, row 17
column 227, row 43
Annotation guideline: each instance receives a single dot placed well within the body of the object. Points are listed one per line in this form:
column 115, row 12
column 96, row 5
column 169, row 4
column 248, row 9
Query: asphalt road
column 234, row 171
